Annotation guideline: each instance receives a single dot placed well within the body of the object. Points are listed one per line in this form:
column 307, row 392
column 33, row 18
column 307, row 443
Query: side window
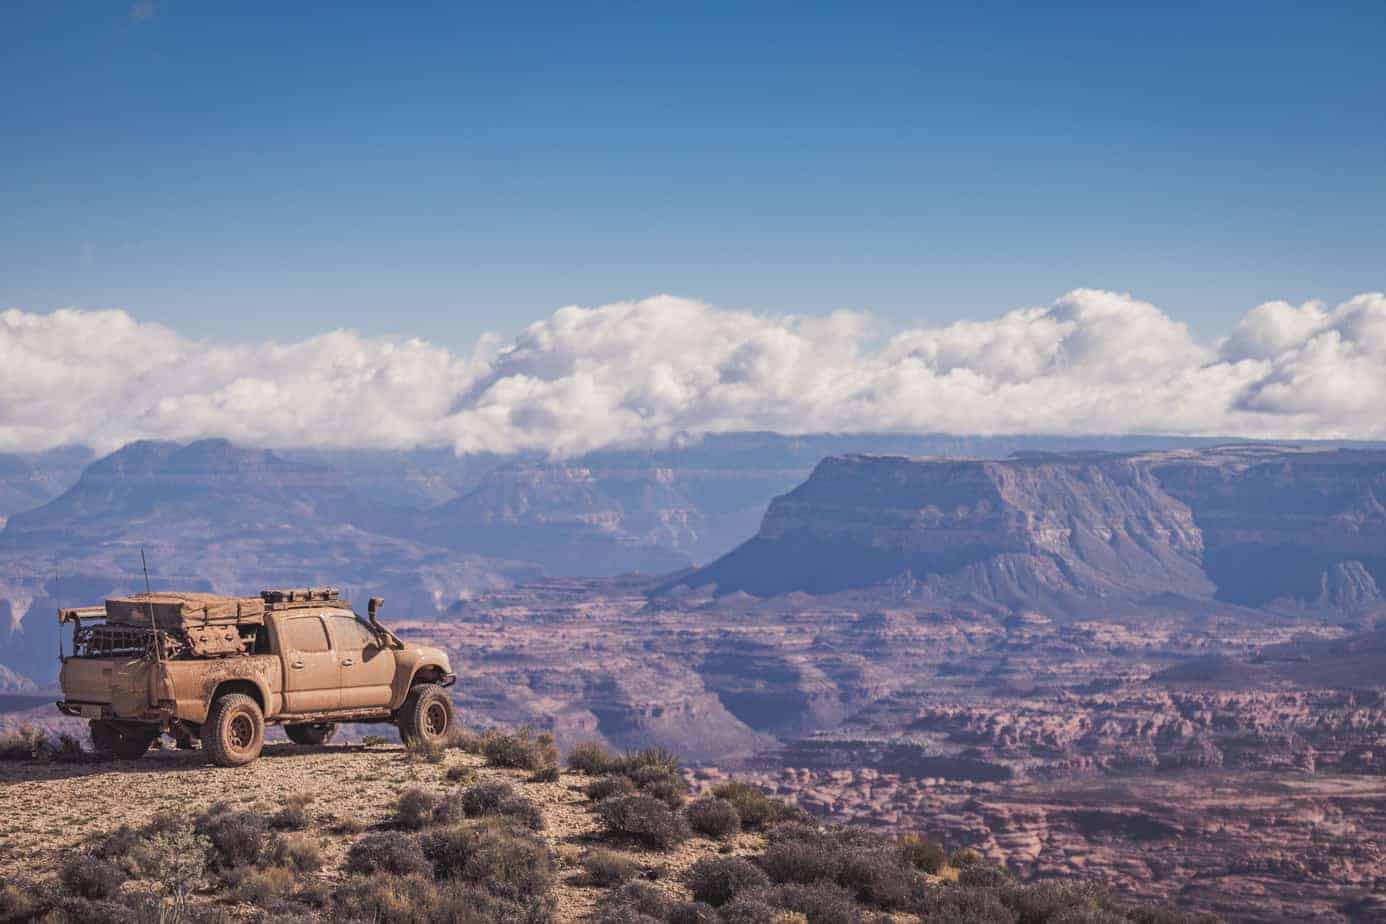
column 306, row 634
column 351, row 634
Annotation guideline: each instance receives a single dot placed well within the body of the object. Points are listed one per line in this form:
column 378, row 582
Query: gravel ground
column 47, row 810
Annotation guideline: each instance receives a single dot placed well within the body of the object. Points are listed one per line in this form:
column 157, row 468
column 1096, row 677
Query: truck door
column 367, row 668
column 311, row 674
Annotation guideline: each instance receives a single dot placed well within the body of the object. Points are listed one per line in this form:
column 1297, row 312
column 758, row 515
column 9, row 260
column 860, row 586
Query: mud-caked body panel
column 197, row 682
column 304, row 657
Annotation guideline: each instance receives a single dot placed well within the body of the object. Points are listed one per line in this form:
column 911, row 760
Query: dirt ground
column 47, row 810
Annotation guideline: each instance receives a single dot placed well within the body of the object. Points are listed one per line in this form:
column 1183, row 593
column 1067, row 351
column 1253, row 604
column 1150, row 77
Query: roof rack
column 300, row 595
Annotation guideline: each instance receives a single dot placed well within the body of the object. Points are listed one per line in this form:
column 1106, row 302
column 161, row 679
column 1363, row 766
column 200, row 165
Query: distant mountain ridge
column 1248, row 525
column 427, row 528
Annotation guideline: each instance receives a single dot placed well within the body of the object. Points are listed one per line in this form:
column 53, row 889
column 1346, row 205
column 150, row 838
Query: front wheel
column 311, row 734
column 234, row 732
column 426, row 716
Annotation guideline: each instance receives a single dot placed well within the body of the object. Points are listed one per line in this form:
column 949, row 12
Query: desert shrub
column 878, row 878
column 717, row 880
column 293, row 816
column 493, row 797
column 415, row 808
column 461, row 773
column 654, row 758
column 173, row 855
column 959, row 903
column 299, row 854
column 693, row 913
column 467, row 741
column 236, row 838
column 262, row 886
column 76, row 910
column 425, row 752
column 811, row 859
column 485, row 798
column 389, row 852
column 608, row 868
column 371, row 741
column 821, row 902
column 635, row 900
column 669, row 790
column 548, row 774
column 464, row 903
column 591, row 757
column 1091, row 916
column 19, row 901
column 714, row 817
column 922, row 853
column 522, row 750
column 643, row 819
column 983, row 875
column 622, row 914
column 966, row 856
column 754, row 807
column 25, row 743
column 514, row 866
column 384, row 898
column 1042, row 902
column 119, row 846
column 86, row 876
column 748, row 909
column 67, row 749
column 346, row 826
column 608, row 786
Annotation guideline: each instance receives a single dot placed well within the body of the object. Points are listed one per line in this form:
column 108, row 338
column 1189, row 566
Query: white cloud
column 643, row 372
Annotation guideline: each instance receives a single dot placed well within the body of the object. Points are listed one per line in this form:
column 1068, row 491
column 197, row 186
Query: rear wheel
column 125, row 743
column 104, row 737
column 311, row 734
column 426, row 716
column 234, row 732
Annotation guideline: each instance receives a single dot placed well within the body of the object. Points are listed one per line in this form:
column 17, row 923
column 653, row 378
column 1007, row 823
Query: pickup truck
column 219, row 669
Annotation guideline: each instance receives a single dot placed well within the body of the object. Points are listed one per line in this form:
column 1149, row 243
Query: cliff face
column 1246, row 525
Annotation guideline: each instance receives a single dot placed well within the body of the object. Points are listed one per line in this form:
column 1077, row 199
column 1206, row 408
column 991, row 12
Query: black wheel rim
column 435, row 719
column 240, row 732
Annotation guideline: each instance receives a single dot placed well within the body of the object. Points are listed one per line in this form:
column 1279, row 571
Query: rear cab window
column 306, row 634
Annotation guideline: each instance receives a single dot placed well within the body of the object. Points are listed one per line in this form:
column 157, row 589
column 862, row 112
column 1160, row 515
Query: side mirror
column 374, row 606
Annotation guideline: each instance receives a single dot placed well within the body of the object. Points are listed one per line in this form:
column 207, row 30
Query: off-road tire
column 234, row 732
column 104, row 737
column 113, row 742
column 427, row 716
column 314, row 733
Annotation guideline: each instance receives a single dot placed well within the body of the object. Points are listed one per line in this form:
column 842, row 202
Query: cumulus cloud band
column 642, row 373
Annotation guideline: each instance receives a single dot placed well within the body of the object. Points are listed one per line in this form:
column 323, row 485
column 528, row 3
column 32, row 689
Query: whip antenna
column 149, row 606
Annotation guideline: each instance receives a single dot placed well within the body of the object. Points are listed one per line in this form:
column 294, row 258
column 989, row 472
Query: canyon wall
column 1252, row 526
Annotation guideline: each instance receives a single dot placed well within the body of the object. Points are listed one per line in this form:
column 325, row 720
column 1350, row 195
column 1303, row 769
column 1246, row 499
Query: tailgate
column 120, row 683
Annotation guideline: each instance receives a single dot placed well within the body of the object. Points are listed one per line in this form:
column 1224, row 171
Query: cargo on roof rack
column 182, row 611
column 299, row 594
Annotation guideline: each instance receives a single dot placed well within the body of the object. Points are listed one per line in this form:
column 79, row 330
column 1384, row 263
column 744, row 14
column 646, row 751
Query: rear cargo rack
column 110, row 641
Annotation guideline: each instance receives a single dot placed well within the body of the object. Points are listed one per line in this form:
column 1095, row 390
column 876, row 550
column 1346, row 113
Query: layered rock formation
column 1080, row 533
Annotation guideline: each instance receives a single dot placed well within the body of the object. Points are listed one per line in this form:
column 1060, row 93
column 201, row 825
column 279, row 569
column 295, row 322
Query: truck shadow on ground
column 159, row 761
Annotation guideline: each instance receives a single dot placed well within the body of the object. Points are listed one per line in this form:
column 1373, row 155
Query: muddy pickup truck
column 216, row 668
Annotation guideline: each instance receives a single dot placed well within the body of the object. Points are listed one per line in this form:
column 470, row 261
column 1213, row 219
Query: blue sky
column 269, row 170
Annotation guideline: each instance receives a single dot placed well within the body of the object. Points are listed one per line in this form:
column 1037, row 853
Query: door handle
column 347, row 662
column 298, row 664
